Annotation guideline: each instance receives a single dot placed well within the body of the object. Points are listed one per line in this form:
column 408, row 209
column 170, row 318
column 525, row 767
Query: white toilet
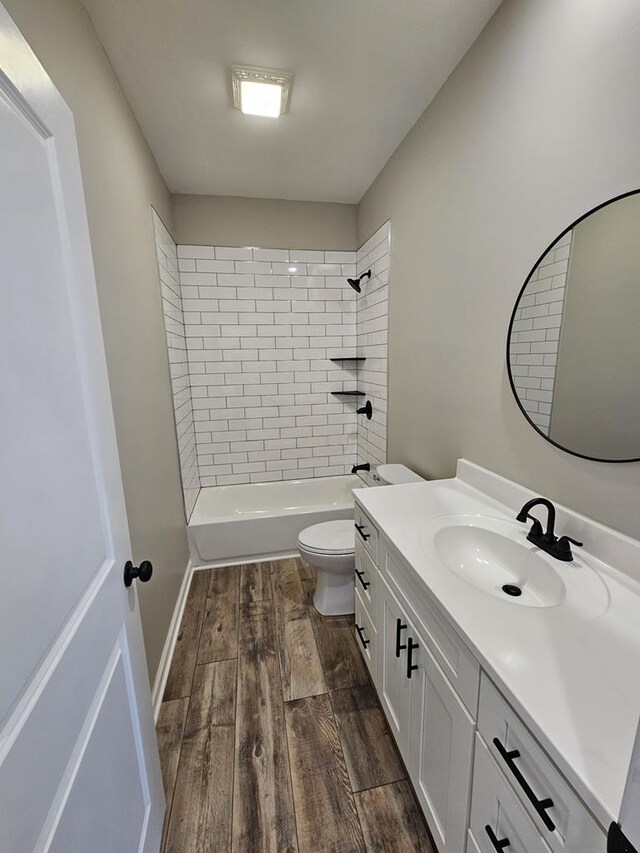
column 330, row 548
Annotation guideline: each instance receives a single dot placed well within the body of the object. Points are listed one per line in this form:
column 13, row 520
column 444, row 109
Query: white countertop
column 575, row 681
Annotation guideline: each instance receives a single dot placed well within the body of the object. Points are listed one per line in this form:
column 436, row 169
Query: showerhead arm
column 355, row 282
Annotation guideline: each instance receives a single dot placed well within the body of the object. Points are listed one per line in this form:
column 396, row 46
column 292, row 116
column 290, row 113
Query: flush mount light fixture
column 261, row 91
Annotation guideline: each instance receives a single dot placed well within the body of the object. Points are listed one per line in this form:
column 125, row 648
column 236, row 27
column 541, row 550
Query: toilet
column 330, row 548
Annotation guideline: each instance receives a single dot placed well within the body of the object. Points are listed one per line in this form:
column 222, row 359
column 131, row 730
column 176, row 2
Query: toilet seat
column 329, row 537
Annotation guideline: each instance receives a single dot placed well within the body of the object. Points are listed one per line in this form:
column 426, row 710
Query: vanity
column 515, row 714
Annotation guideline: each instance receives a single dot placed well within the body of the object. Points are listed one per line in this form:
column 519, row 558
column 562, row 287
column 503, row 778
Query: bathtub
column 258, row 521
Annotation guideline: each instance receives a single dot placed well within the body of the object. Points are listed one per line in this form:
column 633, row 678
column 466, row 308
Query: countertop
column 574, row 680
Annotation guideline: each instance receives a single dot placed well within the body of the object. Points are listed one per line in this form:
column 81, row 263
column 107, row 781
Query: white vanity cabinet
column 480, row 785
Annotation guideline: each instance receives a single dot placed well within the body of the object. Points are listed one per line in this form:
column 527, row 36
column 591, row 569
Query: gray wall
column 121, row 181
column 538, row 124
column 207, row 220
column 596, row 399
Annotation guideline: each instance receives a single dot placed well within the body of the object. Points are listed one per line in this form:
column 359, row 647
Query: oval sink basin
column 498, row 565
column 494, row 556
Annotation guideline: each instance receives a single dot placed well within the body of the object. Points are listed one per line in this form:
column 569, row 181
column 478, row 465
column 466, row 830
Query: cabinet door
column 498, row 820
column 394, row 687
column 440, row 749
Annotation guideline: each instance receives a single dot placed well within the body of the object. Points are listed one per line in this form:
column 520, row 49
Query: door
column 498, row 820
column 79, row 769
column 440, row 749
column 394, row 687
column 624, row 837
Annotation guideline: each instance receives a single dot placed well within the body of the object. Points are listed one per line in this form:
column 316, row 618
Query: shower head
column 355, row 282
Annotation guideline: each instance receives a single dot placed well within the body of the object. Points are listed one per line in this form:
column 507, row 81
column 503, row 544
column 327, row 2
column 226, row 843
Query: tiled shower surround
column 262, row 326
column 258, row 341
column 178, row 364
column 371, row 332
column 535, row 336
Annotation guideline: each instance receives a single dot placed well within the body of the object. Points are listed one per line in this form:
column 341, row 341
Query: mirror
column 573, row 348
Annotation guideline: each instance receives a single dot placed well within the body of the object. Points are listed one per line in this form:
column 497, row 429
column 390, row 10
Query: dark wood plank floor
column 271, row 736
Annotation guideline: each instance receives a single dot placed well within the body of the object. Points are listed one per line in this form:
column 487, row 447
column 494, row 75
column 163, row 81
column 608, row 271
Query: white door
column 629, row 824
column 440, row 749
column 79, row 768
column 395, row 686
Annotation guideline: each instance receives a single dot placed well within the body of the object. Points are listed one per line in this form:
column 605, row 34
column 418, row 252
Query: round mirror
column 573, row 348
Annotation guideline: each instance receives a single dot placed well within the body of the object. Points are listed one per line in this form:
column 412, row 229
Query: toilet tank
column 394, row 475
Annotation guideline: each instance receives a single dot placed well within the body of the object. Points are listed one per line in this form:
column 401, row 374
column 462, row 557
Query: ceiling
column 364, row 72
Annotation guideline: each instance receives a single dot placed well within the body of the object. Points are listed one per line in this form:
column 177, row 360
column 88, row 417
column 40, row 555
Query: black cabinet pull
column 360, row 576
column 360, row 631
column 411, row 667
column 143, row 572
column 400, row 627
column 540, row 806
column 360, row 528
column 498, row 846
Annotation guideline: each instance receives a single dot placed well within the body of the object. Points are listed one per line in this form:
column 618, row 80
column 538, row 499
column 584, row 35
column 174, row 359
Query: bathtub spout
column 365, row 467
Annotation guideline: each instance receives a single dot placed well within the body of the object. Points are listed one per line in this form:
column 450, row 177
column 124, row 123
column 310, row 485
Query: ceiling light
column 261, row 91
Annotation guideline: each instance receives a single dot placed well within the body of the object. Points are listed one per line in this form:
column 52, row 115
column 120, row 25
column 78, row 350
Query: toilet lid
column 329, row 537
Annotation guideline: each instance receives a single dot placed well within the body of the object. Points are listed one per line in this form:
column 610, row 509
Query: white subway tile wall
column 372, row 332
column 261, row 328
column 535, row 335
column 178, row 363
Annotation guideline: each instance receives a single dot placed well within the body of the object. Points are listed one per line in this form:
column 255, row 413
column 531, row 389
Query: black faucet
column 560, row 548
column 365, row 467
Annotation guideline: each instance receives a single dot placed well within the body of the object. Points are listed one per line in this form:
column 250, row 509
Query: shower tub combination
column 261, row 521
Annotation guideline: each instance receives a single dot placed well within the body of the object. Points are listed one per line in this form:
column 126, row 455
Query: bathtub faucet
column 365, row 467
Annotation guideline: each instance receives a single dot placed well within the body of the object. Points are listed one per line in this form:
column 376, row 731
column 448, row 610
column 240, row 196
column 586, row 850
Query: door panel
column 395, row 687
column 440, row 751
column 79, row 767
column 81, row 826
column 49, row 486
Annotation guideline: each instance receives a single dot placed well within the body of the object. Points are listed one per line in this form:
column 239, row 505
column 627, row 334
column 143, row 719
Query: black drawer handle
column 360, row 631
column 411, row 667
column 400, row 627
column 498, row 846
column 360, row 528
column 360, row 576
column 540, row 806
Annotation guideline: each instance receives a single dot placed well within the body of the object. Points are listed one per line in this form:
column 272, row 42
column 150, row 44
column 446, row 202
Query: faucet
column 365, row 467
column 547, row 541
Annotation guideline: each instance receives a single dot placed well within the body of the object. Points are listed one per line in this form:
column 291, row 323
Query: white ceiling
column 365, row 70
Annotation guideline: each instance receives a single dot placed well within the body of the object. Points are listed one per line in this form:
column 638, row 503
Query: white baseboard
column 162, row 673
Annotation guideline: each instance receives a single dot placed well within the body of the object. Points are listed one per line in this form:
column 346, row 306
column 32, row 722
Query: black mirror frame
column 511, row 322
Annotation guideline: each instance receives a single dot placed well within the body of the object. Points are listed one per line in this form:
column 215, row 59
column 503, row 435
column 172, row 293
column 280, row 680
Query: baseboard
column 162, row 673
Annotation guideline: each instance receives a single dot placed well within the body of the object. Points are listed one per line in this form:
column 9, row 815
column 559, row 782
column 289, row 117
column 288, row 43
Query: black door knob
column 143, row 572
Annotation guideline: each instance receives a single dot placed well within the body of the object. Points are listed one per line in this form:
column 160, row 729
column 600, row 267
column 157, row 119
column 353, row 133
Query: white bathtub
column 257, row 521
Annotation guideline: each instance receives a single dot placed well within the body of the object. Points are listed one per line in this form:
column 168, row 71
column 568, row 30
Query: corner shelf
column 348, row 393
column 349, row 358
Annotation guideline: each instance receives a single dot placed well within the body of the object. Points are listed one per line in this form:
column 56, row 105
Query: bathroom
column 233, row 315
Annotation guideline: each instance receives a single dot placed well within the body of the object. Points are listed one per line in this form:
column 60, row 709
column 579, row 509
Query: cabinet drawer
column 366, row 532
column 498, row 820
column 366, row 635
column 458, row 663
column 366, row 580
column 556, row 810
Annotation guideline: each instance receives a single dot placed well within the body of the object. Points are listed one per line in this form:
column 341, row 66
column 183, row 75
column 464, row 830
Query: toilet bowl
column 330, row 548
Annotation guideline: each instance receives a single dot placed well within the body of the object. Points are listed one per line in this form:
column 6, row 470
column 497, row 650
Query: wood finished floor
column 271, row 736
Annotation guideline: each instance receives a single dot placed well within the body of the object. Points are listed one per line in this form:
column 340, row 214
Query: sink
column 494, row 556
